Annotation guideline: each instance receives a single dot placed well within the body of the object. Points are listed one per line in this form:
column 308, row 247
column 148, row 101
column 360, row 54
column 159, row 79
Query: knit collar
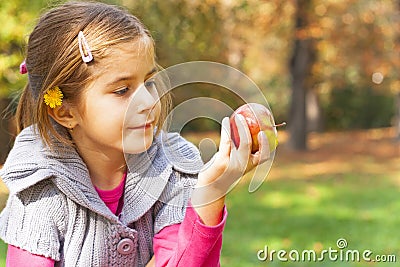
column 31, row 161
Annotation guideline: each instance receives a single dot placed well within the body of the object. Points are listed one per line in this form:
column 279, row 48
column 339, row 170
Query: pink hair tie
column 22, row 68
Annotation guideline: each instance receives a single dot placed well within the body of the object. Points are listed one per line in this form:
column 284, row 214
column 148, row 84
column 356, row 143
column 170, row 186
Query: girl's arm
column 190, row 243
column 17, row 257
column 226, row 167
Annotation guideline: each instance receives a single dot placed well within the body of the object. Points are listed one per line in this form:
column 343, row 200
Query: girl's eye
column 121, row 91
column 150, row 83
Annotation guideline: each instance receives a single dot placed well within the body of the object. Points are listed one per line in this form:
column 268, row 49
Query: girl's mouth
column 146, row 126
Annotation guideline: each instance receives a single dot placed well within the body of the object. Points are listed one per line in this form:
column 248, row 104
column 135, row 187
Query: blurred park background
column 330, row 69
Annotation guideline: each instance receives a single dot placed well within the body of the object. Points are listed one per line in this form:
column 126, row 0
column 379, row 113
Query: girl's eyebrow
column 154, row 70
column 127, row 78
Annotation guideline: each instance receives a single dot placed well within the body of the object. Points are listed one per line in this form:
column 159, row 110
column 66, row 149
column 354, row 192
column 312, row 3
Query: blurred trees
column 301, row 63
column 357, row 62
column 355, row 69
column 16, row 19
column 351, row 80
column 397, row 100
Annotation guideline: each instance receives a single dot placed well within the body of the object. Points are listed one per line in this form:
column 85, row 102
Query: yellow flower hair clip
column 53, row 97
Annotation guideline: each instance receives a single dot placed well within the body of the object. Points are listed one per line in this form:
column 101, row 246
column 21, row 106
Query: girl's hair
column 53, row 59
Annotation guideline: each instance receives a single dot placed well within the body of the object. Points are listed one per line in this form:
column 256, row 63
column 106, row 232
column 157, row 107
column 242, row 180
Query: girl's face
column 121, row 107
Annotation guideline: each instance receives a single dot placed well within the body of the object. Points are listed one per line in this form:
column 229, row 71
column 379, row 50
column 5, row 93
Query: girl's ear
column 64, row 115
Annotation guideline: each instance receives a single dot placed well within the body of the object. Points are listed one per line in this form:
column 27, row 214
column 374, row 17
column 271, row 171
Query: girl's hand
column 229, row 163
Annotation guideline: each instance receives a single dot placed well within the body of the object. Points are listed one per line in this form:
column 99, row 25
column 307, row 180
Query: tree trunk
column 314, row 116
column 397, row 96
column 303, row 58
column 397, row 117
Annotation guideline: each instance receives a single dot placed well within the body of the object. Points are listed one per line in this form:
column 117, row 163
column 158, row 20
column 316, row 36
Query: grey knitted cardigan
column 54, row 210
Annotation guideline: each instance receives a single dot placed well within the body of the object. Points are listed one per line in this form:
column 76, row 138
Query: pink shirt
column 190, row 243
column 114, row 198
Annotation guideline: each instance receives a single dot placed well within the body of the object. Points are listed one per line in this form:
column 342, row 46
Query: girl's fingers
column 225, row 141
column 220, row 160
column 263, row 154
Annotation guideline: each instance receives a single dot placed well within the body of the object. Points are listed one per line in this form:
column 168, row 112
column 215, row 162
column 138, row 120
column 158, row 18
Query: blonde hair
column 53, row 59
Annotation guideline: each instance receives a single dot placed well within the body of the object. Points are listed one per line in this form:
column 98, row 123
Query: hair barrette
column 84, row 45
column 22, row 68
column 53, row 97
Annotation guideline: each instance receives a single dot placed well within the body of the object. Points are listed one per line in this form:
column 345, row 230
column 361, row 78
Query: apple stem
column 280, row 124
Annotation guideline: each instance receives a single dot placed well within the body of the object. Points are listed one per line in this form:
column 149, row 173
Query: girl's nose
column 145, row 99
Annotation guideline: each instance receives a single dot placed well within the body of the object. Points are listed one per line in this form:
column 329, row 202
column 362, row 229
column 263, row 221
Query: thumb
column 225, row 141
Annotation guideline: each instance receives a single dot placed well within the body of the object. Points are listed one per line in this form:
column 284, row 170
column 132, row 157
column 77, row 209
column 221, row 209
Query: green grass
column 313, row 214
column 3, row 252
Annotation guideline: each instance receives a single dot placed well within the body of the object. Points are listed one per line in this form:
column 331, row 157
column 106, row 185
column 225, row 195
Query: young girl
column 90, row 184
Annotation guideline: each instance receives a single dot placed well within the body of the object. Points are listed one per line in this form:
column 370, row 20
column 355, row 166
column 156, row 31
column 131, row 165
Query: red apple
column 258, row 118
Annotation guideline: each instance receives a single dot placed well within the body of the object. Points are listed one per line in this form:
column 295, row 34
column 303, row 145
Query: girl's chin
column 132, row 146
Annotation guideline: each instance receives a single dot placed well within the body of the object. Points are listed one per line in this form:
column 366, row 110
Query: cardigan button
column 125, row 246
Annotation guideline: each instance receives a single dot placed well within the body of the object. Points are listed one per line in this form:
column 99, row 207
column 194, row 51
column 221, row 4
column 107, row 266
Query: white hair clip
column 84, row 45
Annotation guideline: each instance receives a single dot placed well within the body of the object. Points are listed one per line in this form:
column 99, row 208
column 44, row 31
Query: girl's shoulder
column 31, row 161
column 165, row 173
column 183, row 155
column 34, row 218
